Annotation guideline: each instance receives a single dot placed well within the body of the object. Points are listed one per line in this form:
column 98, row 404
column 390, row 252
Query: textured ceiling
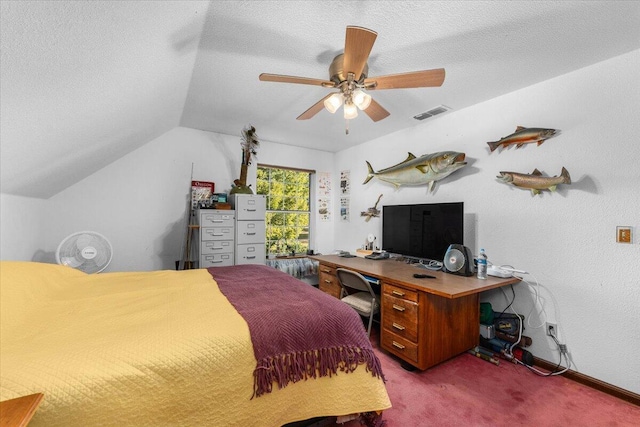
column 83, row 83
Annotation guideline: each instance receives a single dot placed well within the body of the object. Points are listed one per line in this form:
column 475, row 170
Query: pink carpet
column 468, row 391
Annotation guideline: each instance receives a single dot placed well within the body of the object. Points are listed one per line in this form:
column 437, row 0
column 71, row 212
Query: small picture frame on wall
column 624, row 234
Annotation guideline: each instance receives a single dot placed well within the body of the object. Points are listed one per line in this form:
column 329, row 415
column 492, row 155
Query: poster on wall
column 324, row 208
column 345, row 182
column 324, row 196
column 344, row 209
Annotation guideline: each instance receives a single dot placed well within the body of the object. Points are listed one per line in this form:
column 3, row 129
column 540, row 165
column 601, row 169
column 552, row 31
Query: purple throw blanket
column 298, row 332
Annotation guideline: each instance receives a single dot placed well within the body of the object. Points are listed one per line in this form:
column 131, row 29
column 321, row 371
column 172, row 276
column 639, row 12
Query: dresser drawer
column 399, row 346
column 216, row 246
column 398, row 292
column 216, row 233
column 216, row 260
column 216, row 218
column 250, row 254
column 250, row 232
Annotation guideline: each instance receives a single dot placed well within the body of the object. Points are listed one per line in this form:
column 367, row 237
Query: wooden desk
column 423, row 321
column 19, row 411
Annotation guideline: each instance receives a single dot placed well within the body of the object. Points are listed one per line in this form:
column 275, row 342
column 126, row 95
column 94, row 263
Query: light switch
column 623, row 234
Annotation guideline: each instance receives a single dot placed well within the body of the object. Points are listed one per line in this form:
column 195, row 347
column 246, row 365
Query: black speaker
column 458, row 260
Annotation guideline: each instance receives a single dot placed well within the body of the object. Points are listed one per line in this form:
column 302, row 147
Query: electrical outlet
column 552, row 329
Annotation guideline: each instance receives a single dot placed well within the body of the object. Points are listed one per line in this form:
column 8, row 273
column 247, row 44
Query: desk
column 423, row 321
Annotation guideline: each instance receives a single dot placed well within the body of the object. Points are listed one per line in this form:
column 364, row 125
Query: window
column 288, row 208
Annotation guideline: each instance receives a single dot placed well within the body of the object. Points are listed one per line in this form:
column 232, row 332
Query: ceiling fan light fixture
column 361, row 99
column 350, row 111
column 333, row 102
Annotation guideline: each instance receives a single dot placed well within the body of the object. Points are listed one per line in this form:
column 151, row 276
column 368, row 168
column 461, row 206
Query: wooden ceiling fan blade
column 357, row 47
column 425, row 78
column 376, row 111
column 313, row 110
column 279, row 78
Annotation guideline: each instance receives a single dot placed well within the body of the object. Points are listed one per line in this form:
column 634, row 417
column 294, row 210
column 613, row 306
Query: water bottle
column 482, row 265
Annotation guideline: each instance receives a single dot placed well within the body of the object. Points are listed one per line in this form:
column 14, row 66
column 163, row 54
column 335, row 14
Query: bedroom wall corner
column 21, row 231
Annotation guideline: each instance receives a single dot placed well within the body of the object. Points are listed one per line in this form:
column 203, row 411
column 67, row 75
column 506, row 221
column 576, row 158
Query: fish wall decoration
column 535, row 181
column 421, row 170
column 373, row 212
column 523, row 136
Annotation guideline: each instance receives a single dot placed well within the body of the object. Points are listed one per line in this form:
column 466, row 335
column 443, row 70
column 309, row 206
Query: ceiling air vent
column 432, row 112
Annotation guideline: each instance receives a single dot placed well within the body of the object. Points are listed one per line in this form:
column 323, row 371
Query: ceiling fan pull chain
column 346, row 127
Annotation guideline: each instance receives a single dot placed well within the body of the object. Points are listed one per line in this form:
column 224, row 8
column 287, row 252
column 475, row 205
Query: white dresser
column 250, row 228
column 217, row 236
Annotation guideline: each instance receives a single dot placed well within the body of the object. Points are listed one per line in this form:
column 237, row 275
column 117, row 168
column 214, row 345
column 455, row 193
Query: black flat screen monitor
column 422, row 230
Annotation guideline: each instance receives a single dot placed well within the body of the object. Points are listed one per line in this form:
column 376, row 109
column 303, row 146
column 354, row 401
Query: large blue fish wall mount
column 421, row 170
column 535, row 181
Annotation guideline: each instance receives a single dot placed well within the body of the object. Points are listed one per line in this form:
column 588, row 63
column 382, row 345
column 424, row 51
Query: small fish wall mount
column 426, row 169
column 373, row 212
column 535, row 181
column 523, row 136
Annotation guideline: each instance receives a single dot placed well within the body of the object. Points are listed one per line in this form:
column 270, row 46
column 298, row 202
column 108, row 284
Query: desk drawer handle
column 397, row 307
column 398, row 327
column 398, row 345
column 327, row 281
column 400, row 294
column 250, row 234
column 251, row 257
column 326, row 271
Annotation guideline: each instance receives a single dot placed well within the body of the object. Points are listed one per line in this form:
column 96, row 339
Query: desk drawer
column 329, row 283
column 400, row 317
column 399, row 346
column 323, row 268
column 398, row 292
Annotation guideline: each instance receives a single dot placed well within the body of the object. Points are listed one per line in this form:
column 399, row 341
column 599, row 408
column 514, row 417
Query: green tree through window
column 288, row 209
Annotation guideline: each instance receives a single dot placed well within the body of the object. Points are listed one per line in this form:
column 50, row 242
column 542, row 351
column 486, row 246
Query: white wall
column 139, row 202
column 588, row 283
column 21, row 227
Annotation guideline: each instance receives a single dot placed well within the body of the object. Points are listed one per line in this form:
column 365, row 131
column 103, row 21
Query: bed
column 204, row 347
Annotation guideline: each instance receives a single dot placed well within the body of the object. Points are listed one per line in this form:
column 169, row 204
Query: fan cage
column 87, row 251
column 454, row 260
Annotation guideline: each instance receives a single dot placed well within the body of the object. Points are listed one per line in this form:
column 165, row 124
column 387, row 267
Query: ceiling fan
column 349, row 73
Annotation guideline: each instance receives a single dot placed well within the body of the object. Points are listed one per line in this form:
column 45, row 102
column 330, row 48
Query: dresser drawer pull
column 250, row 234
column 398, row 327
column 398, row 345
column 217, row 220
column 400, row 294
column 397, row 307
column 326, row 271
column 251, row 257
column 251, row 210
column 327, row 281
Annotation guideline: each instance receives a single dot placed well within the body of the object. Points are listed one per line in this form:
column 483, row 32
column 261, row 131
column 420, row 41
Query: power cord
column 562, row 348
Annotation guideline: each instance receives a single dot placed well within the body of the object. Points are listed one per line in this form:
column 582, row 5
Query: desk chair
column 364, row 301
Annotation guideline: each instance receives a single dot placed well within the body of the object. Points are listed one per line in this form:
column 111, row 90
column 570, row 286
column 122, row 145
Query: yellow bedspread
column 158, row 348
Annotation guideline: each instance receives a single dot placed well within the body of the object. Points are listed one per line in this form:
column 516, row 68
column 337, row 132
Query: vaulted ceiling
column 85, row 83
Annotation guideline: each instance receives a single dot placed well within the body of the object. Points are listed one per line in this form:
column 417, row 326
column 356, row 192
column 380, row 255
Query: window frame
column 287, row 246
